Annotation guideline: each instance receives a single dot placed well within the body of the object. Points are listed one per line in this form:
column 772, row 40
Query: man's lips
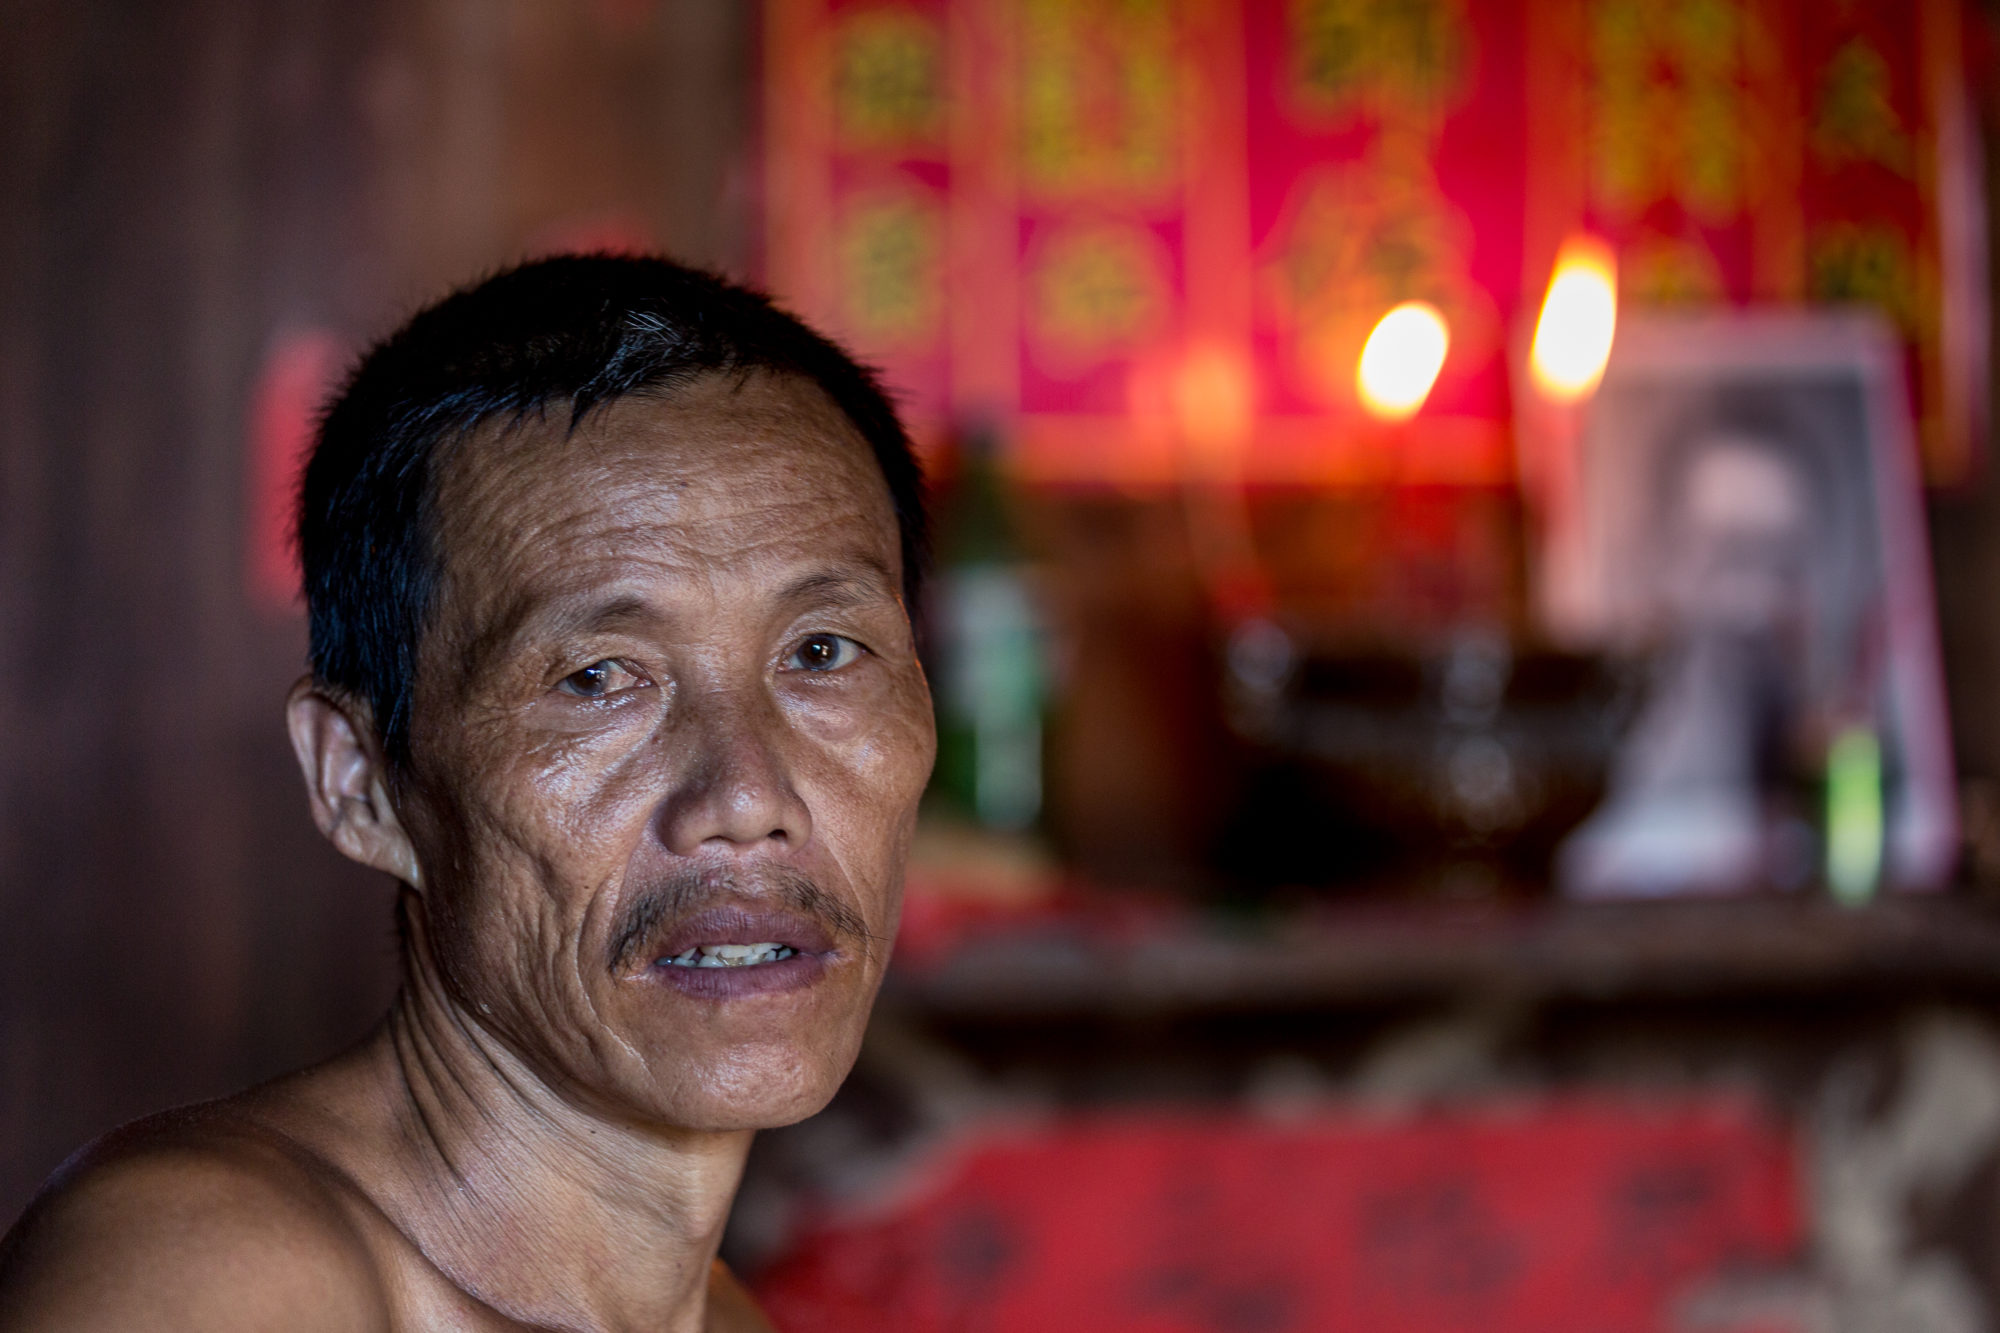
column 813, row 945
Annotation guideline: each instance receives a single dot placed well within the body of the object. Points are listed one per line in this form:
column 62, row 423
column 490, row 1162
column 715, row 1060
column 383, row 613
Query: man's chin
column 751, row 1057
column 732, row 1109
column 749, row 1085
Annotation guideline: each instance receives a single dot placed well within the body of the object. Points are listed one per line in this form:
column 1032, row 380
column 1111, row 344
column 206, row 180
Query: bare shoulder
column 194, row 1220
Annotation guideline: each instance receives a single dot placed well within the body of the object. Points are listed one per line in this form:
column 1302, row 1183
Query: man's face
column 670, row 703
column 1743, row 540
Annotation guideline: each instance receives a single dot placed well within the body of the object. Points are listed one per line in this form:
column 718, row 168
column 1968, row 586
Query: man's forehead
column 720, row 446
column 731, row 473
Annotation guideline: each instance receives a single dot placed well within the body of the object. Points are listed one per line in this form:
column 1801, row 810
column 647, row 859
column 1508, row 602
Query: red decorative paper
column 1149, row 240
column 1577, row 1214
column 299, row 370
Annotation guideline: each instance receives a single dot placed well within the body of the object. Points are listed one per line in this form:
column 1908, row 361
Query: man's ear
column 347, row 780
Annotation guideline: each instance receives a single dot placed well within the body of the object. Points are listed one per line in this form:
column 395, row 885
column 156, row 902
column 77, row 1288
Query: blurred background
column 1467, row 615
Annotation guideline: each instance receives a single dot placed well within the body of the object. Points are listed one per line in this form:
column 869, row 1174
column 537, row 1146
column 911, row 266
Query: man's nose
column 737, row 790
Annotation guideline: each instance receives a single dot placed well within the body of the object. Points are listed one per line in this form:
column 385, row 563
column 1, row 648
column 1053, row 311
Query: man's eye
column 825, row 652
column 598, row 680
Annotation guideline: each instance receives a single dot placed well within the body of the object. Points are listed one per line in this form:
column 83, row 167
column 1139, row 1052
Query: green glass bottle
column 991, row 681
column 1854, row 815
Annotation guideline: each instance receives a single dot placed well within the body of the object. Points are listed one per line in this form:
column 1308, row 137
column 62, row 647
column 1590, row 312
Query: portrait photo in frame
column 1736, row 515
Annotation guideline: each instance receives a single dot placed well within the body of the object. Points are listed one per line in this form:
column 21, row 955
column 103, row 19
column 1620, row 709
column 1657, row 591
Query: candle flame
column 1402, row 359
column 1579, row 319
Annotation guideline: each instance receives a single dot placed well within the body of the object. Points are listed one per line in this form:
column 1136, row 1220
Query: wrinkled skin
column 668, row 673
column 668, row 544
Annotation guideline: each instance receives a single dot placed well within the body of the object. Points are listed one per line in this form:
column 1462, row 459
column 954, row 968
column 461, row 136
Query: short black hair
column 573, row 332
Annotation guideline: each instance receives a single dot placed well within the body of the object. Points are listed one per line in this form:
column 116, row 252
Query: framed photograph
column 1739, row 517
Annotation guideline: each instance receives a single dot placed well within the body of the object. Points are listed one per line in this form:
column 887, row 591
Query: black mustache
column 687, row 891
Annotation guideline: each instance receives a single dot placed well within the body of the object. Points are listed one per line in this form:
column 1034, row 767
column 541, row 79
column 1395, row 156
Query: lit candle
column 1579, row 318
column 1401, row 360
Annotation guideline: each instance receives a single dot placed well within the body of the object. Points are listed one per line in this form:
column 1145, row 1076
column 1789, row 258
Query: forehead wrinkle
column 703, row 553
column 507, row 482
column 870, row 582
column 695, row 525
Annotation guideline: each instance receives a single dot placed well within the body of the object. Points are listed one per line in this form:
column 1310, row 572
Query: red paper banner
column 1151, row 239
column 301, row 367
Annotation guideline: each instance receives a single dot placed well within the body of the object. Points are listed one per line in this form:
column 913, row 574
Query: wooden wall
column 179, row 184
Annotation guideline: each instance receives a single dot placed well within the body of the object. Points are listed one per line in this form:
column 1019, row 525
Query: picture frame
column 1737, row 512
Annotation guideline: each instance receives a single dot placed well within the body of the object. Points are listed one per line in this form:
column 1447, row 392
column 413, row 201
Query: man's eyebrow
column 626, row 611
column 868, row 581
column 563, row 618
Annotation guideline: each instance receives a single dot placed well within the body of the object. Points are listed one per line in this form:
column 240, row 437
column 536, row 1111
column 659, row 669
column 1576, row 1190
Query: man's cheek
column 508, row 873
column 577, row 807
column 584, row 771
column 895, row 762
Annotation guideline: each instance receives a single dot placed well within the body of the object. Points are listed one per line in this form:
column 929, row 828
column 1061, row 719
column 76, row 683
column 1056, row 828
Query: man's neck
column 548, row 1213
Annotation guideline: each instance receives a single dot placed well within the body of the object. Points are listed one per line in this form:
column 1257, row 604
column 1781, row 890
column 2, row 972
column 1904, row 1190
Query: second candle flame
column 1579, row 318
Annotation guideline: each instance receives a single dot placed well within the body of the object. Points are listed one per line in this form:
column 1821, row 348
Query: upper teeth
column 730, row 955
